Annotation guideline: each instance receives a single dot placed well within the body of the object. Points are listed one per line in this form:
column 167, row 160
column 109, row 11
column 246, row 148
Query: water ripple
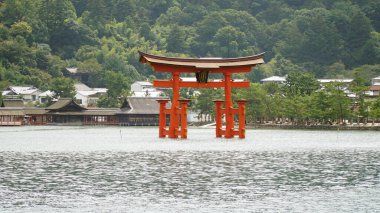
column 188, row 180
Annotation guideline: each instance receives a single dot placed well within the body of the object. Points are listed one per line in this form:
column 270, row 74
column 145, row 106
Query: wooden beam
column 194, row 84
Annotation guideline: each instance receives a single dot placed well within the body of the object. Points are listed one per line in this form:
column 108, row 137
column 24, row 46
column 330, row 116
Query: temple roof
column 202, row 63
column 65, row 104
column 12, row 103
column 141, row 105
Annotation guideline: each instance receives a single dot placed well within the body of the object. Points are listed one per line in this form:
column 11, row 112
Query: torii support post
column 162, row 119
column 241, row 112
column 184, row 103
column 219, row 132
column 180, row 113
column 218, row 120
column 174, row 124
column 228, row 106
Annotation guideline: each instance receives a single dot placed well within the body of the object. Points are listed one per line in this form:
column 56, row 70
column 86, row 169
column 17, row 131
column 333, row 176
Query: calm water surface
column 118, row 169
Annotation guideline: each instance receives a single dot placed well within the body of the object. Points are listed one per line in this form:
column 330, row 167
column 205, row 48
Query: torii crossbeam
column 201, row 67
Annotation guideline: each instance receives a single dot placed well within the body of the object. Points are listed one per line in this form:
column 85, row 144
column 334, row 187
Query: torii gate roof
column 170, row 64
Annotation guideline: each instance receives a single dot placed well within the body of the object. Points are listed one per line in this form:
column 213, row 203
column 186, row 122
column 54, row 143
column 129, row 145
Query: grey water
column 127, row 169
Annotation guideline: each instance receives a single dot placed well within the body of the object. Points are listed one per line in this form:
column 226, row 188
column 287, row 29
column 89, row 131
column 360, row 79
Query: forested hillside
column 39, row 38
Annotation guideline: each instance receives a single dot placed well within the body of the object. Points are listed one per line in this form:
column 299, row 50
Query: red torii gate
column 201, row 67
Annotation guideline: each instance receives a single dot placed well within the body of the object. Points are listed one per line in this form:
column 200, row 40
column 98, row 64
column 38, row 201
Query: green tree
column 374, row 112
column 21, row 28
column 204, row 105
column 371, row 50
column 18, row 10
column 298, row 83
column 116, row 83
column 106, row 101
column 315, row 38
column 176, row 40
column 228, row 42
column 63, row 87
column 255, row 107
column 320, row 106
column 295, row 108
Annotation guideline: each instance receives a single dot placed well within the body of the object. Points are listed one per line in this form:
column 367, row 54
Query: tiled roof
column 375, row 88
column 12, row 103
column 22, row 90
column 63, row 102
column 81, row 87
column 142, row 105
column 12, row 111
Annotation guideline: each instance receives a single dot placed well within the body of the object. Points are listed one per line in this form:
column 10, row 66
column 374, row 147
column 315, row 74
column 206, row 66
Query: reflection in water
column 188, row 180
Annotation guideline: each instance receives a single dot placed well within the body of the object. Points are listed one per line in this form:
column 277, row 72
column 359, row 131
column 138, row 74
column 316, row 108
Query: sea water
column 128, row 169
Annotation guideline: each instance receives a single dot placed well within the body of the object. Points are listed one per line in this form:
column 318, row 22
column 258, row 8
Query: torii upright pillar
column 201, row 68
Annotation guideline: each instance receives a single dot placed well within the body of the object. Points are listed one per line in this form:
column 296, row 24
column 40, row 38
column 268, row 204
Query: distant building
column 273, row 79
column 43, row 97
column 344, row 81
column 27, row 93
column 14, row 113
column 136, row 111
column 140, row 111
column 79, row 75
column 12, row 103
column 343, row 84
column 139, row 86
column 374, row 89
column 144, row 89
column 86, row 96
column 375, row 81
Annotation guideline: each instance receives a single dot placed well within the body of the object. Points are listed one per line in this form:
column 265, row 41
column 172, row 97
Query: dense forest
column 318, row 38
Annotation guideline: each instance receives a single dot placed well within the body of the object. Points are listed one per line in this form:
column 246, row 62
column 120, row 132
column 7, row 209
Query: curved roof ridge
column 201, row 60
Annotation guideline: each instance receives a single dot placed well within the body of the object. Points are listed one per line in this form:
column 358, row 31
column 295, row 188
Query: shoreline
column 314, row 127
column 361, row 127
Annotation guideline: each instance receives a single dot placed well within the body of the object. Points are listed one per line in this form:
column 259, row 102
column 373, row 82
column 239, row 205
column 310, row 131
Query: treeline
column 39, row 38
column 301, row 100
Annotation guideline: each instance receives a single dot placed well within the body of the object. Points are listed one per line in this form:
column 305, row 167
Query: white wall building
column 343, row 84
column 86, row 96
column 273, row 79
column 144, row 89
column 27, row 93
column 376, row 81
column 141, row 86
column 43, row 97
column 374, row 89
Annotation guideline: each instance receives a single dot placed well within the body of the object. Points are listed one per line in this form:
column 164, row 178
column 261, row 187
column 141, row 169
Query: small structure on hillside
column 79, row 75
column 374, row 89
column 375, row 81
column 274, row 79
